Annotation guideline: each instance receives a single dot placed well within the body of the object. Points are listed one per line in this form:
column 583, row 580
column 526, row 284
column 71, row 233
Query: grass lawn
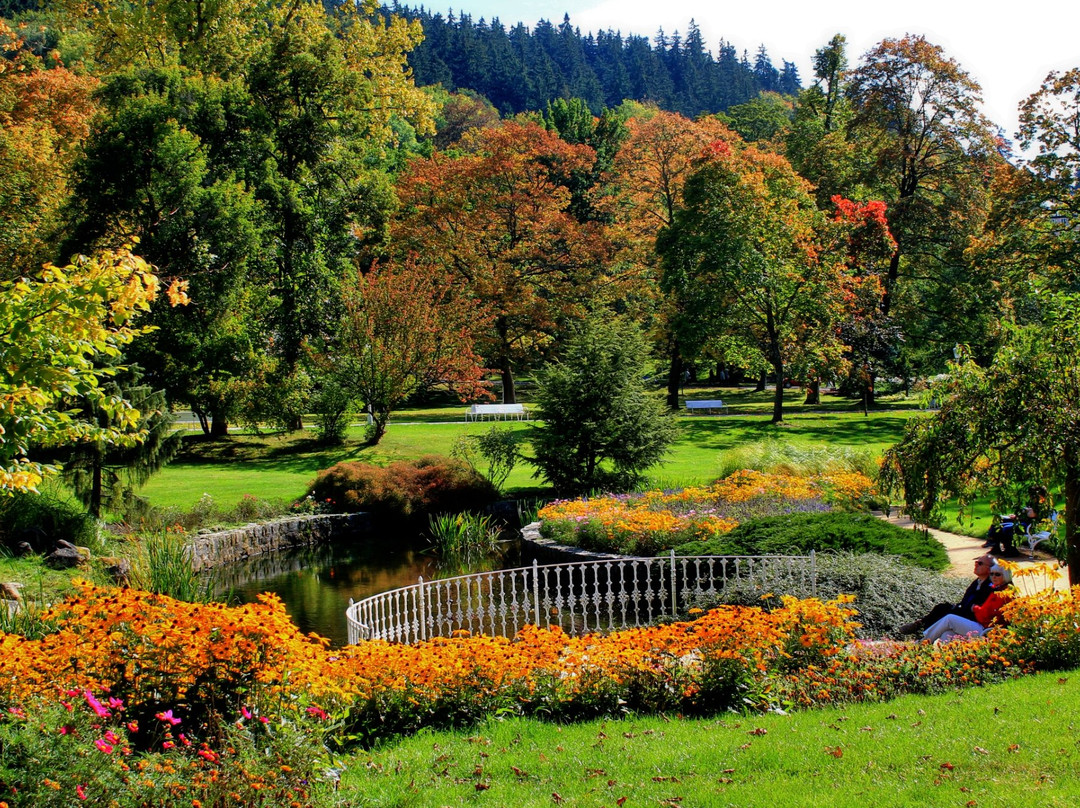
column 1008, row 745
column 281, row 466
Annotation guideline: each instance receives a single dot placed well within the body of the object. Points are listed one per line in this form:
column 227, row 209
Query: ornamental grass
column 653, row 521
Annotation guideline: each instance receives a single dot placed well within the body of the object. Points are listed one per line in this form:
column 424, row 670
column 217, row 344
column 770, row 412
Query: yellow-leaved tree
column 52, row 331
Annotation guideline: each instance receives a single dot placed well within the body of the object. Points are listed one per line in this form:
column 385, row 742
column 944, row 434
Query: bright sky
column 1008, row 50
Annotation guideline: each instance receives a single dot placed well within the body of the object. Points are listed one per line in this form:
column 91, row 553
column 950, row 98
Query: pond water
column 316, row 582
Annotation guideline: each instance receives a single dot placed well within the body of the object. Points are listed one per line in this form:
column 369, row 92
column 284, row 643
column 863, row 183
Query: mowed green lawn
column 1010, row 745
column 280, row 467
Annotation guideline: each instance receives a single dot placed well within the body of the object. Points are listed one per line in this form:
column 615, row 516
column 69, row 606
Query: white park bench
column 497, row 412
column 706, row 406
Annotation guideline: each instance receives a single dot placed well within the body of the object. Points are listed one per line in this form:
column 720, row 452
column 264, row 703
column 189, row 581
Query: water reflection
column 316, row 582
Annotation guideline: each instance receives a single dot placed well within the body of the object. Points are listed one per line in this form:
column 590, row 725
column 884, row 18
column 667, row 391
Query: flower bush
column 647, row 523
column 136, row 698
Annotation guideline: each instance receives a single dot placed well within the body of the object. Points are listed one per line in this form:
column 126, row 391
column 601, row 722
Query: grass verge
column 1009, row 745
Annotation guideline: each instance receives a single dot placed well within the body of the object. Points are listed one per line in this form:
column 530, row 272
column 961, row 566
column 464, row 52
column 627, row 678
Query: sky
column 1008, row 53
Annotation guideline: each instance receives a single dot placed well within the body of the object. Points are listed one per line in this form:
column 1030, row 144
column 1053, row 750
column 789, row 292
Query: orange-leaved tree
column 496, row 216
column 405, row 330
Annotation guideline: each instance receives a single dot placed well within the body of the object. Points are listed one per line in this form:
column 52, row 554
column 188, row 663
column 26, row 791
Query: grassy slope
column 286, row 464
column 1009, row 745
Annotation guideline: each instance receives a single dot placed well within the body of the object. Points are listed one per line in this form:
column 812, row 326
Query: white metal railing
column 580, row 597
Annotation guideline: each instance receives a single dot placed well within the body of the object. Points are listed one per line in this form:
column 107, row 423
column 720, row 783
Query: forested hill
column 519, row 69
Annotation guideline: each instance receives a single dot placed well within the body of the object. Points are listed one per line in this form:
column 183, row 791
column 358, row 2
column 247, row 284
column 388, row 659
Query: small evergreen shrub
column 431, row 484
column 799, row 533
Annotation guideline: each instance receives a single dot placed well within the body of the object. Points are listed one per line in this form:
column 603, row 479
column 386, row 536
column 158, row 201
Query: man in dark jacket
column 977, row 593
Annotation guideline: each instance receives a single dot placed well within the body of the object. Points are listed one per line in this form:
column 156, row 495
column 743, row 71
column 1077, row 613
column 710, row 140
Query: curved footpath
column 963, row 550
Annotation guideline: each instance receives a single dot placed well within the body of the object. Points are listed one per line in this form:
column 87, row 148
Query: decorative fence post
column 674, row 589
column 422, row 608
column 536, row 593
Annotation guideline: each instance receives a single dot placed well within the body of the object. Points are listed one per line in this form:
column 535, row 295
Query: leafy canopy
column 52, row 332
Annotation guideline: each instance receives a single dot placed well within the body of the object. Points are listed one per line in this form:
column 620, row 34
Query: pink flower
column 80, row 792
column 206, row 754
column 133, row 726
column 96, row 705
column 65, row 730
column 168, row 717
column 184, row 740
column 103, row 747
column 244, row 711
column 168, row 745
column 116, row 703
column 317, row 712
column 15, row 711
column 111, row 737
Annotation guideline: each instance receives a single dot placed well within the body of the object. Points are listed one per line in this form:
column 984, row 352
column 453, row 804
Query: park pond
column 316, row 582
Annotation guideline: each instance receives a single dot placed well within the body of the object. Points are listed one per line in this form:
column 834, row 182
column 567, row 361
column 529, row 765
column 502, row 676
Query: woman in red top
column 987, row 614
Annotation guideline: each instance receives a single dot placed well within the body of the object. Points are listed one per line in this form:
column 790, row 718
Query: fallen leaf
column 555, row 796
column 1063, row 680
column 620, row 801
column 866, row 729
column 482, row 786
column 518, row 771
column 946, row 766
column 970, row 804
column 610, row 783
column 891, row 717
column 982, row 751
column 758, row 731
column 836, row 752
column 729, row 771
column 1014, row 748
column 745, row 746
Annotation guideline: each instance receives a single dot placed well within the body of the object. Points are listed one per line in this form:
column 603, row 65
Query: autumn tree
column 650, row 171
column 45, row 113
column 927, row 146
column 749, row 256
column 406, row 329
column 53, row 331
column 496, row 216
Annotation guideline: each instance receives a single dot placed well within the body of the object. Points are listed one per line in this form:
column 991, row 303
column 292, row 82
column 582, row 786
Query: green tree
column 105, row 476
column 749, row 256
column 1016, row 419
column 601, row 428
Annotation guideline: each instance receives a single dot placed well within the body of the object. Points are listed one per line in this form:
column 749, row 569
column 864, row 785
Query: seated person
column 988, row 614
column 977, row 593
column 1001, row 538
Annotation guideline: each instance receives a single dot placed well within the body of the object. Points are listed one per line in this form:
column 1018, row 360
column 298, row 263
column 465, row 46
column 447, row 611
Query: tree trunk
column 95, row 486
column 813, row 393
column 871, row 378
column 509, row 393
column 674, row 378
column 204, row 422
column 377, row 428
column 761, row 379
column 1072, row 512
column 219, row 426
column 295, row 423
column 778, row 398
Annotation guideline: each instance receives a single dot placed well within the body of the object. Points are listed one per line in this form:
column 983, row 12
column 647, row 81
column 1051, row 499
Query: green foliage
column 601, row 429
column 834, row 531
column 165, row 568
column 499, row 449
column 463, row 536
column 1017, row 419
column 430, row 484
column 42, row 519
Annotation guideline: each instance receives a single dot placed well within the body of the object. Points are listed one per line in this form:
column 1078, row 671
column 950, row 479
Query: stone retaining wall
column 547, row 551
column 229, row 546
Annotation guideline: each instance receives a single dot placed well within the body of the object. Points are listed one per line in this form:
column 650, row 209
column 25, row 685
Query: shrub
column 836, row 531
column 404, row 488
column 888, row 592
column 601, row 428
column 42, row 519
column 499, row 449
